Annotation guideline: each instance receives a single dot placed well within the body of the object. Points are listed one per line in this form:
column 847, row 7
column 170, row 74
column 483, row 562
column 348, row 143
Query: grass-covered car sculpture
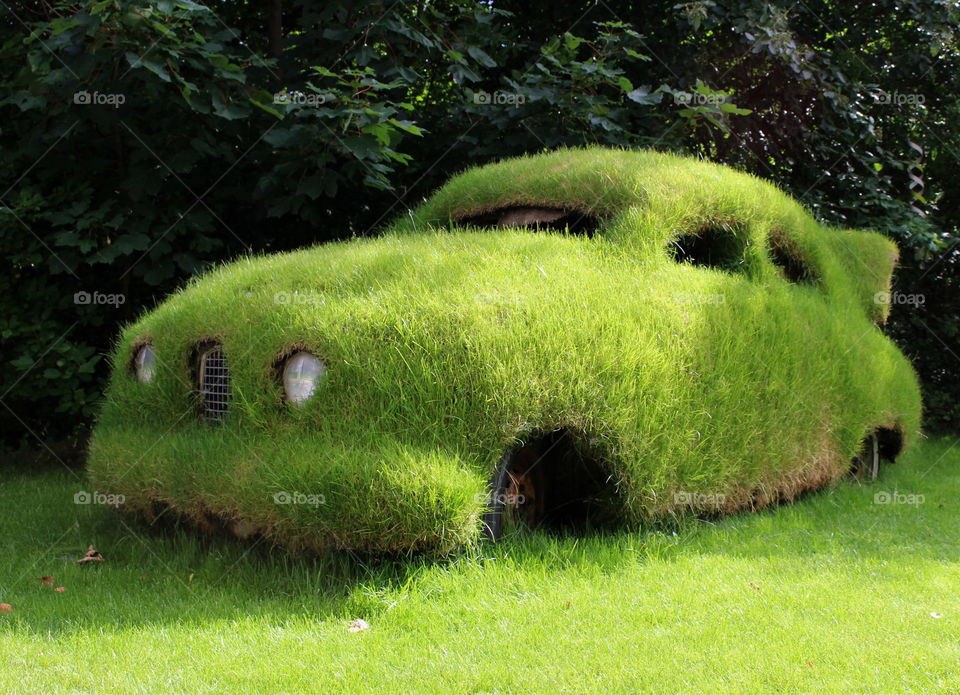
column 586, row 337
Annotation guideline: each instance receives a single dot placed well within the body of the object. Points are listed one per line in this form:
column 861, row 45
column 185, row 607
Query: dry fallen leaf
column 358, row 625
column 6, row 608
column 755, row 586
column 46, row 581
column 60, row 589
column 93, row 555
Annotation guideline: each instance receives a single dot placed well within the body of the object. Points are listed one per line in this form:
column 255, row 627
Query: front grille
column 214, row 384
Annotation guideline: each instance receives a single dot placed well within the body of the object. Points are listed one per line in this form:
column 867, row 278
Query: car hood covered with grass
column 688, row 337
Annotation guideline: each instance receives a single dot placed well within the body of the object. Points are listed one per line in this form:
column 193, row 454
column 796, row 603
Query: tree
column 146, row 142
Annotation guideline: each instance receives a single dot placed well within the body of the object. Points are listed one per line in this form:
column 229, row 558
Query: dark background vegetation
column 850, row 106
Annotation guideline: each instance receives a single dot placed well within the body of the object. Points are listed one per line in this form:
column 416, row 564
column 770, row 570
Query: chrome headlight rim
column 301, row 375
column 144, row 363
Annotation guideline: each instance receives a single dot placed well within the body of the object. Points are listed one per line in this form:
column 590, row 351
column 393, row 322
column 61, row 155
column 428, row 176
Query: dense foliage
column 146, row 141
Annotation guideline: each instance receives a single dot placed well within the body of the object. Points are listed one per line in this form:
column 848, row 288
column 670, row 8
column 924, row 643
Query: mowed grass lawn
column 835, row 594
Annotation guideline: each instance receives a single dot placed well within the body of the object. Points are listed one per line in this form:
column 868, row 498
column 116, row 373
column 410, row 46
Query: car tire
column 517, row 493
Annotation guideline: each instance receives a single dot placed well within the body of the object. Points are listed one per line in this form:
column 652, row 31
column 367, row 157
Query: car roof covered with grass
column 585, row 338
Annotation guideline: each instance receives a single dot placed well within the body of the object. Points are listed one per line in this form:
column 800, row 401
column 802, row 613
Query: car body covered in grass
column 586, row 337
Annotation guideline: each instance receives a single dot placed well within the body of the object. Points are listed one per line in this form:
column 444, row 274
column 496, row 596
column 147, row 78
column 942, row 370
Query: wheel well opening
column 554, row 481
column 879, row 444
column 890, row 442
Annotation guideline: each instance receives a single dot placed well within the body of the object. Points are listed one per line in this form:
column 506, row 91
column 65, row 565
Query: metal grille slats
column 214, row 384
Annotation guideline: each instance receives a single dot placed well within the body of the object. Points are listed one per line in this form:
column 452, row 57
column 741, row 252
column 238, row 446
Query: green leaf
column 266, row 107
column 312, row 186
column 407, row 126
column 381, row 131
column 481, row 57
column 642, row 95
column 362, row 147
column 734, row 109
column 151, row 64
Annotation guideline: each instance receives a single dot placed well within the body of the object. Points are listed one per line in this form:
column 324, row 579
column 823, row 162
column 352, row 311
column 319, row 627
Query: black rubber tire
column 498, row 505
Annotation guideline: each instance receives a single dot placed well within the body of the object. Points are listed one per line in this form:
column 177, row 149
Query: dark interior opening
column 889, row 442
column 711, row 247
column 565, row 489
column 545, row 218
column 793, row 266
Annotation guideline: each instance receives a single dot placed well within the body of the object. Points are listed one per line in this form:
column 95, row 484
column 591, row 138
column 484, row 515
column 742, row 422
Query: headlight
column 145, row 364
column 301, row 375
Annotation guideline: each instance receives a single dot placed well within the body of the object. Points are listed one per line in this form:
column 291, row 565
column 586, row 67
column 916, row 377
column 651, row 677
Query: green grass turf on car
column 690, row 341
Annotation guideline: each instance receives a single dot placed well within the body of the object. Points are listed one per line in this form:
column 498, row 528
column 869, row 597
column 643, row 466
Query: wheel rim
column 522, row 491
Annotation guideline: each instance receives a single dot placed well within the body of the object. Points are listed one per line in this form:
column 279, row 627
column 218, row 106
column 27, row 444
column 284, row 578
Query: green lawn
column 835, row 594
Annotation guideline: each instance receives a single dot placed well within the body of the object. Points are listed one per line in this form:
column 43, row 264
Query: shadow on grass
column 167, row 573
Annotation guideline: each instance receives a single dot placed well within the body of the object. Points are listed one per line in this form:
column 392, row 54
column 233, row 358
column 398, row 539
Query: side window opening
column 546, row 218
column 715, row 246
column 787, row 257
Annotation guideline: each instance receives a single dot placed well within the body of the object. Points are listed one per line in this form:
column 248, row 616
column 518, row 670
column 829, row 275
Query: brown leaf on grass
column 93, row 555
column 60, row 589
column 6, row 608
column 755, row 586
column 46, row 581
column 358, row 625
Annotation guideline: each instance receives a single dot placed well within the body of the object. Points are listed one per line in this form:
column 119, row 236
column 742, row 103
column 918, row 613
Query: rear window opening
column 545, row 218
column 787, row 258
column 710, row 247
